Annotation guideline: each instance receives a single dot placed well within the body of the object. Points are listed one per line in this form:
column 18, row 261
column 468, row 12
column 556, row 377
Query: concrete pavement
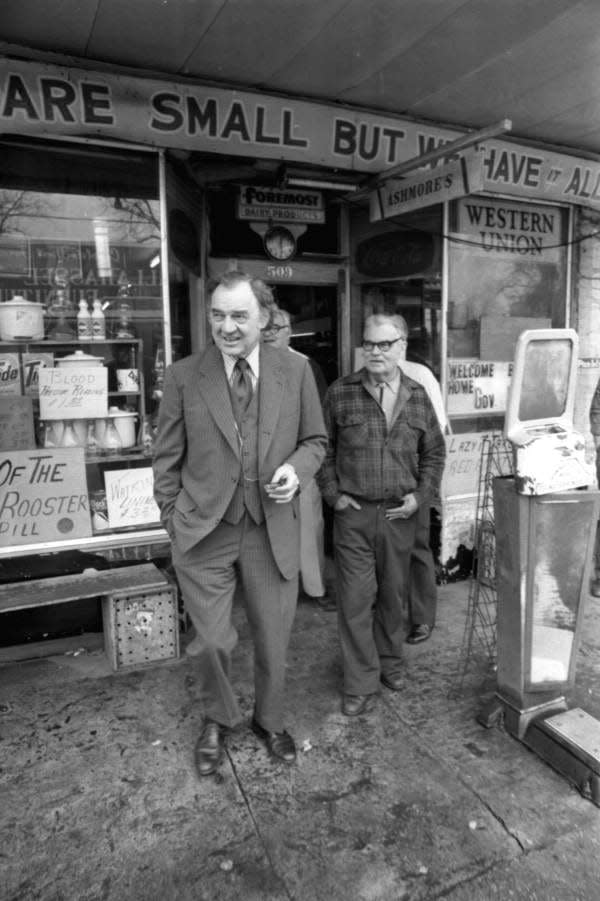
column 414, row 800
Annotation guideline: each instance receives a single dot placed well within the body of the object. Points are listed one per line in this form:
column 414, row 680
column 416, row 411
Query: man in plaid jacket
column 384, row 461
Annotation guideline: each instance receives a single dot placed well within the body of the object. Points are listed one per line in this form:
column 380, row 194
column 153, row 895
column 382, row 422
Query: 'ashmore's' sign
column 282, row 205
column 446, row 182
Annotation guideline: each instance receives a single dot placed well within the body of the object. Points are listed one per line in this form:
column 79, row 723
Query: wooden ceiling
column 463, row 63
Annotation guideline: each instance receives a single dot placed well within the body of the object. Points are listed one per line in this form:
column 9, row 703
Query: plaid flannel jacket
column 366, row 459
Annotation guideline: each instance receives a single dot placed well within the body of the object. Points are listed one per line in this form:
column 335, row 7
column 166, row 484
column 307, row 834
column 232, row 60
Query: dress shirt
column 367, row 459
column 387, row 400
column 253, row 366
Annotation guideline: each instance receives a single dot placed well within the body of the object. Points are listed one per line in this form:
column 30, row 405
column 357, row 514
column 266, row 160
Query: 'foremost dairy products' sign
column 282, row 205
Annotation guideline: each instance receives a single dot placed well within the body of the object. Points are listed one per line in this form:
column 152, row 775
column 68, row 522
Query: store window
column 81, row 344
column 507, row 272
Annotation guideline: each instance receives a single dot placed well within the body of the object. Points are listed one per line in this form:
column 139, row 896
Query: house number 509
column 280, row 272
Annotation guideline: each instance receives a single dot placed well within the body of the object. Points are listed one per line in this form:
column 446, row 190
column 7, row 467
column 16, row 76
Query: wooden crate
column 141, row 626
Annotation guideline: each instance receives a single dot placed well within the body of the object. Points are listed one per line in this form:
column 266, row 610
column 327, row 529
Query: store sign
column 280, row 205
column 552, row 176
column 446, row 182
column 477, row 387
column 43, row 496
column 497, row 170
column 42, row 99
column 499, row 228
column 73, row 392
column 130, row 497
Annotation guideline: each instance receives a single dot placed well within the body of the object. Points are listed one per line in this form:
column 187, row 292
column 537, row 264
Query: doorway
column 314, row 315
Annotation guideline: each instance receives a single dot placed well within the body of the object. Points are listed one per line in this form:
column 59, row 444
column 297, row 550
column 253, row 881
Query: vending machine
column 545, row 519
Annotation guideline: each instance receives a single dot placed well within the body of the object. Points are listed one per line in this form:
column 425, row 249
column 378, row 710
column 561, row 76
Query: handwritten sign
column 463, row 459
column 16, row 423
column 477, row 387
column 43, row 496
column 73, row 392
column 130, row 498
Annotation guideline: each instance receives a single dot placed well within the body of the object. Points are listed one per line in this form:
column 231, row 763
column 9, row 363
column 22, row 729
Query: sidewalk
column 415, row 800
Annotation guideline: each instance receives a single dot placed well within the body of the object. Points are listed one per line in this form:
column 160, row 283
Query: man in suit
column 312, row 548
column 240, row 433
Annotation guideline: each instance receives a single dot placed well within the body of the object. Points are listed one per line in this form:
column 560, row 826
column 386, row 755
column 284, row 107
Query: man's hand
column 408, row 507
column 283, row 485
column 343, row 501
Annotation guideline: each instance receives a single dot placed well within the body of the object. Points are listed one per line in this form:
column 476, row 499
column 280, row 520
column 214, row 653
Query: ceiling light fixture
column 293, row 181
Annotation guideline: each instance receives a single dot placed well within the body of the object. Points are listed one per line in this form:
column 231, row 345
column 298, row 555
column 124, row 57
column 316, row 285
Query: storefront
column 121, row 198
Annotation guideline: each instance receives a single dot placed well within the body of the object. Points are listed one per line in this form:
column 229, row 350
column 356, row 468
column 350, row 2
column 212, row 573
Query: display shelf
column 134, row 400
column 129, row 454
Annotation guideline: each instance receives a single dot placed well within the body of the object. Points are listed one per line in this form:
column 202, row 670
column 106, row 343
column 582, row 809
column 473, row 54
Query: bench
column 139, row 609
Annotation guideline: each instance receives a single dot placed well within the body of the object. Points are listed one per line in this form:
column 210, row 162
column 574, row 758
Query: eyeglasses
column 274, row 328
column 383, row 346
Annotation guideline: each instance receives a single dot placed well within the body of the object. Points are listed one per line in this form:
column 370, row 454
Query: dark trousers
column 208, row 575
column 372, row 558
column 423, row 588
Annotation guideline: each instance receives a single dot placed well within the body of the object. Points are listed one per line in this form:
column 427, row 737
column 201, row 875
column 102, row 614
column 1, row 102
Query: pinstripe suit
column 196, row 470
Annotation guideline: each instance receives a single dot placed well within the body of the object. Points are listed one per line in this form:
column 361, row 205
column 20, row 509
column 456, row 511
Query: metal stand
column 479, row 637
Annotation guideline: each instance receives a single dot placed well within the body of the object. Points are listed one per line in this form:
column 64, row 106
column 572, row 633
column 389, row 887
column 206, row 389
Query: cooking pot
column 21, row 319
column 80, row 359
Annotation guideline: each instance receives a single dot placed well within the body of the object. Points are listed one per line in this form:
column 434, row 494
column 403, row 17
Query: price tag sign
column 130, row 498
column 73, row 392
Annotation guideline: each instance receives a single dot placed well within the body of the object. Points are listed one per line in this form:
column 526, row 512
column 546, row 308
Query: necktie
column 241, row 388
column 381, row 387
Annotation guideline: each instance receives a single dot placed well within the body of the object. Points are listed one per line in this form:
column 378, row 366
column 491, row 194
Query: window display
column 507, row 265
column 81, row 344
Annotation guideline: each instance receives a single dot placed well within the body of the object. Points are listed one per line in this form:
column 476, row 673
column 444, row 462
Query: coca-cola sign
column 395, row 254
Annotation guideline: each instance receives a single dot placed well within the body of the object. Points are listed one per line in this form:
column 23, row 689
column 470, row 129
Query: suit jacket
column 197, row 451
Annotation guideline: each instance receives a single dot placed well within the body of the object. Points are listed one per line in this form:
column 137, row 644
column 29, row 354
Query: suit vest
column 247, row 492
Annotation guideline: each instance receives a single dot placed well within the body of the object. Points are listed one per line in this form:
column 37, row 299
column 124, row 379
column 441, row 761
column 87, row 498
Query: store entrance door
column 314, row 315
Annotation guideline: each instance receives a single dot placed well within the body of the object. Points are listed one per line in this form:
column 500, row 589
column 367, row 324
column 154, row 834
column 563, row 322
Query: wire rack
column 478, row 648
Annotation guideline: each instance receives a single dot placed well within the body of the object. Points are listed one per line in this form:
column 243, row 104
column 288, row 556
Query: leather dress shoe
column 353, row 705
column 209, row 748
column 279, row 744
column 419, row 632
column 393, row 681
